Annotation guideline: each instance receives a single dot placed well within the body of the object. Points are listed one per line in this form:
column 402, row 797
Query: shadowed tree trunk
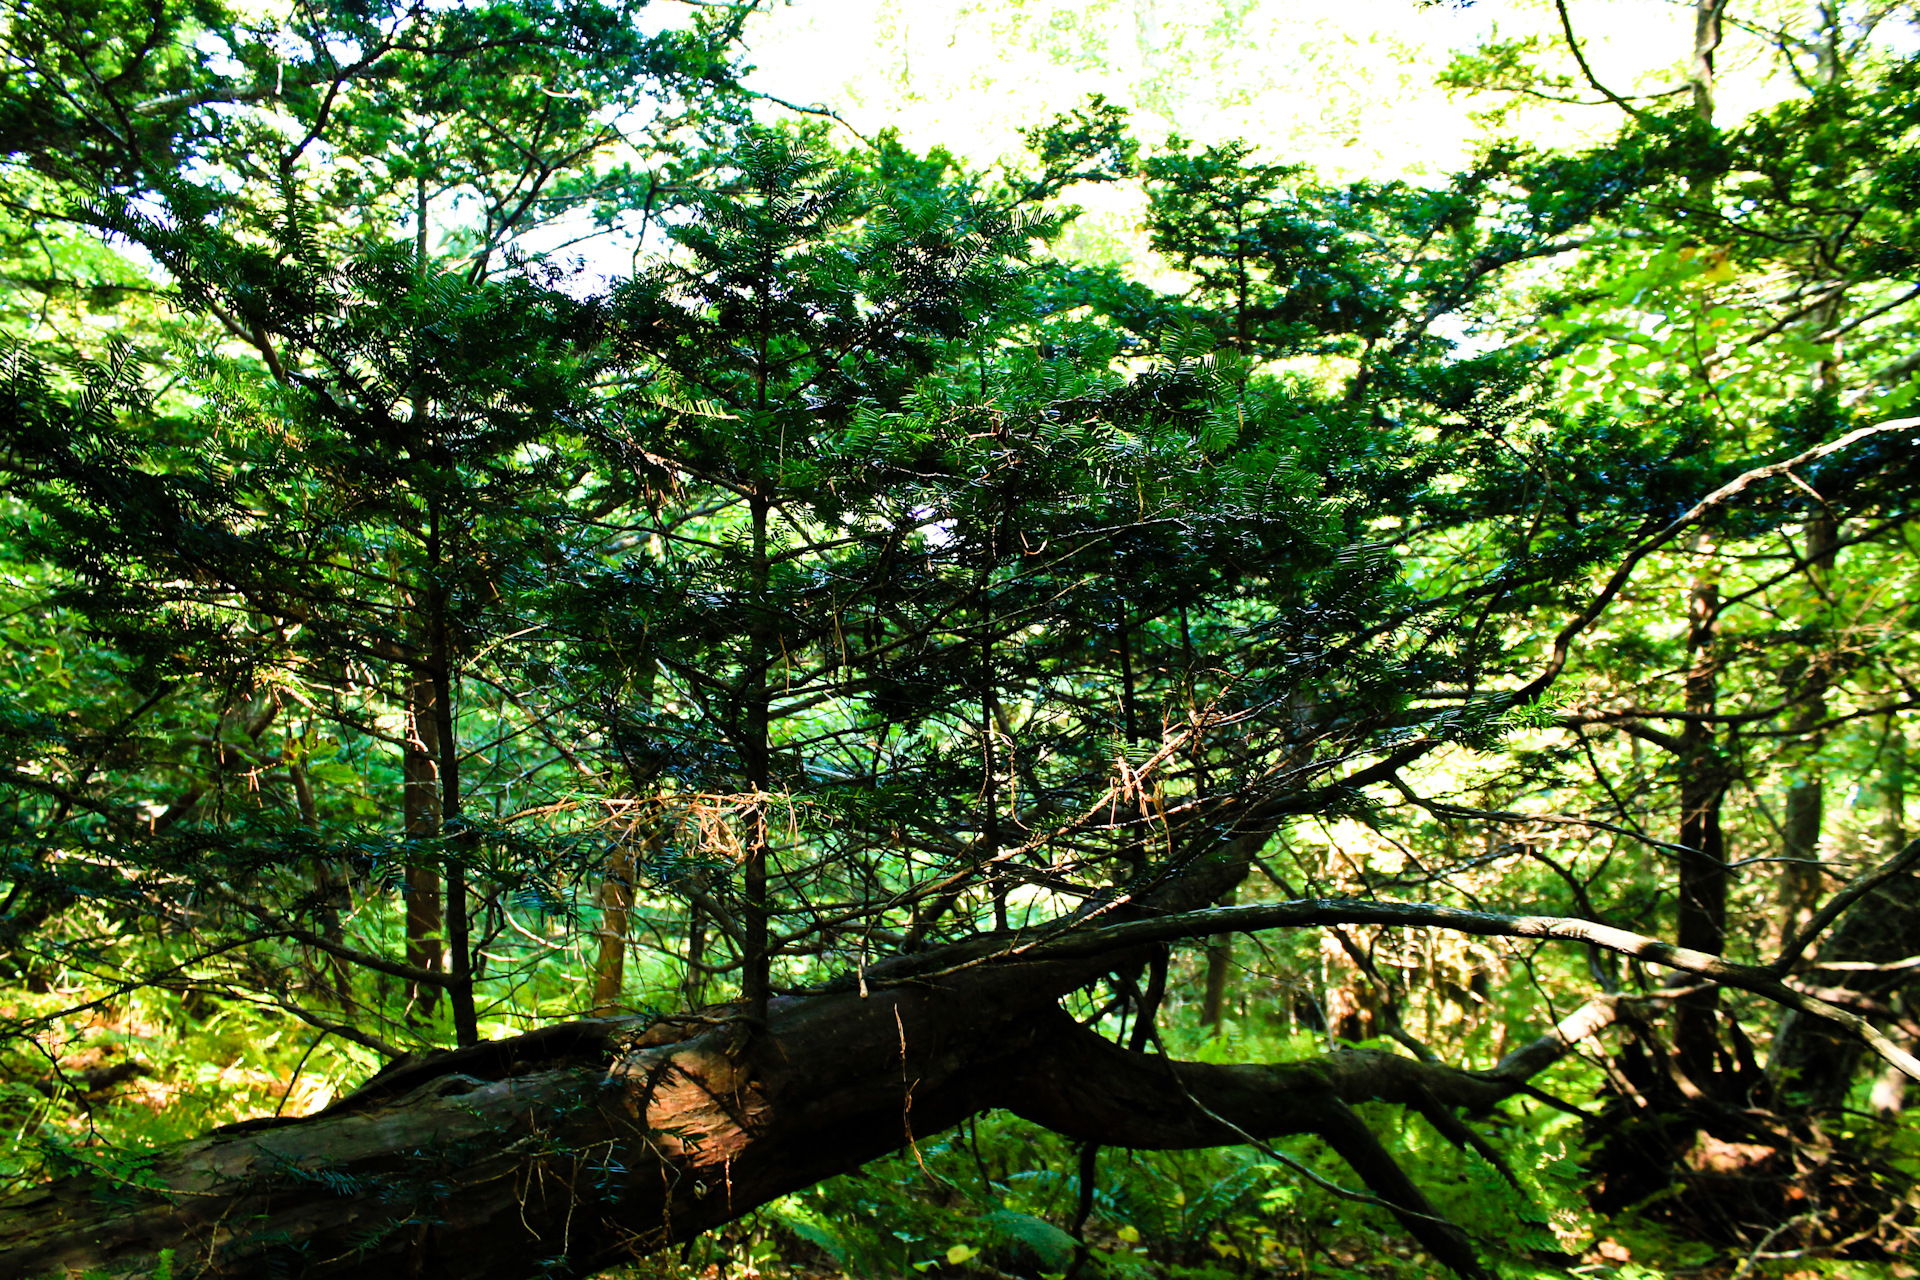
column 1860, row 965
column 1864, row 963
column 1219, row 966
column 1806, row 796
column 596, row 1141
column 589, row 1143
column 420, row 804
column 1702, row 888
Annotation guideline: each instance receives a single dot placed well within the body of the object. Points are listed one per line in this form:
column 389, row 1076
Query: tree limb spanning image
column 607, row 673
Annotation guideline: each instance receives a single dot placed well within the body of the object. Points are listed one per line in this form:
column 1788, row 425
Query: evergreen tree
column 874, row 666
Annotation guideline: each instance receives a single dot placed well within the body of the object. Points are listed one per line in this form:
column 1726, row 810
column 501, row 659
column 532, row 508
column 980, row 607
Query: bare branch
column 1316, row 912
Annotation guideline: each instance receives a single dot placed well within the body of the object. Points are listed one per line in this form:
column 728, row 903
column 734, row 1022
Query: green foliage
column 991, row 1198
column 856, row 575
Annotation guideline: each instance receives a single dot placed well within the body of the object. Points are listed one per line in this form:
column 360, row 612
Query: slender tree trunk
column 756, row 968
column 1800, row 845
column 1702, row 921
column 420, row 806
column 693, row 986
column 641, row 840
column 1805, row 810
column 460, row 995
column 1219, row 970
column 990, row 773
column 610, row 957
column 642, row 835
column 1707, row 21
column 1702, row 916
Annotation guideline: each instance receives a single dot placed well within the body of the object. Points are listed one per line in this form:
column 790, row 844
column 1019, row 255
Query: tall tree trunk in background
column 615, row 903
column 694, row 985
column 420, row 759
column 1800, row 877
column 625, row 860
column 1219, row 969
column 420, row 770
column 756, row 961
column 990, row 774
column 1812, row 1067
column 1800, row 881
column 637, row 840
column 1702, row 916
column 460, row 847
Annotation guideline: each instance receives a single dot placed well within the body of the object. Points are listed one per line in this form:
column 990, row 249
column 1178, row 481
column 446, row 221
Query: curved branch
column 1563, row 641
column 1566, row 26
column 1859, row 887
column 1313, row 912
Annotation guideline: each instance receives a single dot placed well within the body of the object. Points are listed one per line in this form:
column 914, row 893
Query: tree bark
column 420, row 816
column 1800, row 884
column 1813, row 1067
column 596, row 1141
column 615, row 902
column 1213, row 1005
column 589, row 1143
column 1702, row 916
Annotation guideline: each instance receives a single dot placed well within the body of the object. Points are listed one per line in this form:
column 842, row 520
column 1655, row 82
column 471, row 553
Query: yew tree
column 894, row 653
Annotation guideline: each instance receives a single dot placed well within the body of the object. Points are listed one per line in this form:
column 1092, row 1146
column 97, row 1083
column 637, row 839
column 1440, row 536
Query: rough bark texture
column 583, row 1145
column 1702, row 888
column 1213, row 1006
column 420, row 818
column 615, row 902
column 595, row 1141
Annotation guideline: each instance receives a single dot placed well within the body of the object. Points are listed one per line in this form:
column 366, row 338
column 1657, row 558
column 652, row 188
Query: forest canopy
column 606, row 673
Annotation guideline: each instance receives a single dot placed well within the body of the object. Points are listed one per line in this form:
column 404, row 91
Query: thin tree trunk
column 460, row 995
column 616, row 907
column 420, row 760
column 1702, row 915
column 693, row 986
column 420, row 805
column 1800, row 879
column 610, row 958
column 641, row 836
column 1707, row 22
column 1219, row 970
column 990, row 774
column 756, row 965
